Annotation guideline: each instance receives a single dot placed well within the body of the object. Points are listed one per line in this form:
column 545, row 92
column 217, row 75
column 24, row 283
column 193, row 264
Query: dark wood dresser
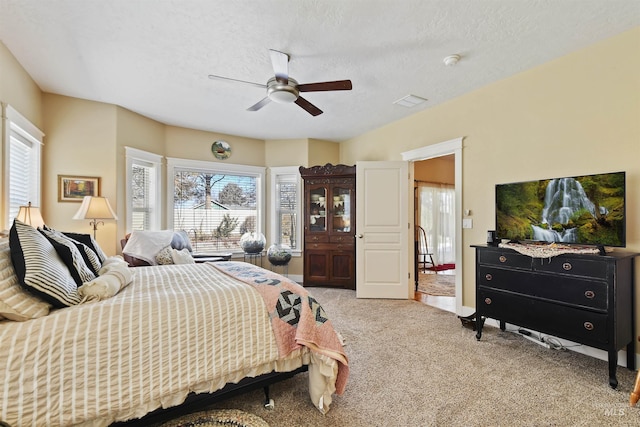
column 587, row 299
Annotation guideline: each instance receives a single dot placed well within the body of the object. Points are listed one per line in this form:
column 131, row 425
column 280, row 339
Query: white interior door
column 382, row 225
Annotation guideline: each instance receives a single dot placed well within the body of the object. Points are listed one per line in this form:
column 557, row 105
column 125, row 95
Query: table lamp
column 30, row 215
column 95, row 209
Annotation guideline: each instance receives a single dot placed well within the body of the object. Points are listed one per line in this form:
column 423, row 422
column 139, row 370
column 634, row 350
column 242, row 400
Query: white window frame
column 258, row 172
column 153, row 161
column 21, row 128
column 289, row 173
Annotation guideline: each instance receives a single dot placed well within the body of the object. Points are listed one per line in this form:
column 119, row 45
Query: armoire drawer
column 566, row 322
column 591, row 294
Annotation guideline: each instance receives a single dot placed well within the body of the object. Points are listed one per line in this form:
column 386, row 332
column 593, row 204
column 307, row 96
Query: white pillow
column 182, row 257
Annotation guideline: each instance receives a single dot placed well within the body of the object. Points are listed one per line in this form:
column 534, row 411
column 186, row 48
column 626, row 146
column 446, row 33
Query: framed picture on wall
column 73, row 188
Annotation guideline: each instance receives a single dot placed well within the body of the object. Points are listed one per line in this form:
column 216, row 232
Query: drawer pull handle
column 488, row 276
column 590, row 294
column 588, row 326
column 487, row 301
column 502, row 258
column 567, row 266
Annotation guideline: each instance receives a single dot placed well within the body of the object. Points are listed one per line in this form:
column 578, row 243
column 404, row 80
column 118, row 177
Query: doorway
column 434, row 219
column 454, row 147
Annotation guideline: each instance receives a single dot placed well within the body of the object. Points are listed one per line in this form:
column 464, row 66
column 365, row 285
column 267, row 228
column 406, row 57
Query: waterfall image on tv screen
column 587, row 210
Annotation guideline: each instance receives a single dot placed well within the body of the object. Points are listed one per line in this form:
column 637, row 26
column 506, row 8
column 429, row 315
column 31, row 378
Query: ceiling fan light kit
column 283, row 93
column 286, row 90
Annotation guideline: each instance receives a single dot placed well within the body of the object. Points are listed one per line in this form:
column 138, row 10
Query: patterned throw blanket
column 297, row 318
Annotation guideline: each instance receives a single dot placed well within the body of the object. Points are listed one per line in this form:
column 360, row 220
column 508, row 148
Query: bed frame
column 195, row 402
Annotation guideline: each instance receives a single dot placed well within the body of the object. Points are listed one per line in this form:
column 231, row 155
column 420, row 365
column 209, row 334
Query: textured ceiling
column 153, row 57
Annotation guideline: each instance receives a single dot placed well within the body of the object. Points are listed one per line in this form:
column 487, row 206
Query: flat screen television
column 583, row 210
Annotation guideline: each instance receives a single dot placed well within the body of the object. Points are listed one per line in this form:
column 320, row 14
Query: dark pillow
column 85, row 245
column 39, row 268
column 71, row 256
column 90, row 242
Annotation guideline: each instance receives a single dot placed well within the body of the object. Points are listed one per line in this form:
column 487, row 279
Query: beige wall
column 19, row 90
column 286, row 152
column 579, row 114
column 196, row 145
column 323, row 152
column 80, row 141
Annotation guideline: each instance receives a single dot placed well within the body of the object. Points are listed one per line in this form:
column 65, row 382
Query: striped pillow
column 15, row 302
column 71, row 256
column 90, row 242
column 39, row 268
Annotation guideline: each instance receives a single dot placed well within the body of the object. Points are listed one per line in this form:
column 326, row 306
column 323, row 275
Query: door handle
column 359, row 236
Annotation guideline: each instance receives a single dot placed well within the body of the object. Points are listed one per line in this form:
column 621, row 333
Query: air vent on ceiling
column 410, row 101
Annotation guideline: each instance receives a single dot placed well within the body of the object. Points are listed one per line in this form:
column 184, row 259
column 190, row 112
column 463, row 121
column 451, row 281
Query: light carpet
column 415, row 365
column 437, row 284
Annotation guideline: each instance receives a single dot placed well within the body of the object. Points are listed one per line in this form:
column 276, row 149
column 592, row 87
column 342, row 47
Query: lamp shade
column 30, row 215
column 95, row 208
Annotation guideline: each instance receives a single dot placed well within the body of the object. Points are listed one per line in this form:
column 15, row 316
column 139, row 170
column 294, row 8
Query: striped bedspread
column 175, row 329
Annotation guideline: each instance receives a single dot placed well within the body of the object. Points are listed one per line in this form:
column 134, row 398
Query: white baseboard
column 296, row 278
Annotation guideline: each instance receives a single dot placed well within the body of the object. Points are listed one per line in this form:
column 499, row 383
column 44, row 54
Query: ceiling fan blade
column 322, row 86
column 280, row 62
column 260, row 104
column 309, row 107
column 214, row 77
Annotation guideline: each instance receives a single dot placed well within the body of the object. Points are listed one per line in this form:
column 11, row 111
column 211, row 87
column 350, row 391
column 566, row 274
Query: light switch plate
column 467, row 223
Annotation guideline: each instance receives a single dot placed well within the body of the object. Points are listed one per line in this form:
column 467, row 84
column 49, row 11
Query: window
column 285, row 215
column 22, row 162
column 143, row 190
column 437, row 217
column 214, row 203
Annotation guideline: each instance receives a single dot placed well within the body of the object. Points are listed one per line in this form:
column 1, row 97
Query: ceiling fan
column 284, row 89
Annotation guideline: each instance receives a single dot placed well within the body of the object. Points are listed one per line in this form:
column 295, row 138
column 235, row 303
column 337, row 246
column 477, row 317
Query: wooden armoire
column 329, row 225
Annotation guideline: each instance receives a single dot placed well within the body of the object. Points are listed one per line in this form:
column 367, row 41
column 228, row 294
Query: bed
column 174, row 330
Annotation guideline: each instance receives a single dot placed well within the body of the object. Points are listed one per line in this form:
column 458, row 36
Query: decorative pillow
column 87, row 250
column 164, row 256
column 88, row 240
column 15, row 302
column 39, row 268
column 182, row 257
column 181, row 241
column 89, row 255
column 113, row 278
column 71, row 256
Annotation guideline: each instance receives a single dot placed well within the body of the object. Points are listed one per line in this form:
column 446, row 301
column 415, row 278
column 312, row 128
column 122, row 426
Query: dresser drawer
column 574, row 324
column 573, row 266
column 505, row 259
column 590, row 294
